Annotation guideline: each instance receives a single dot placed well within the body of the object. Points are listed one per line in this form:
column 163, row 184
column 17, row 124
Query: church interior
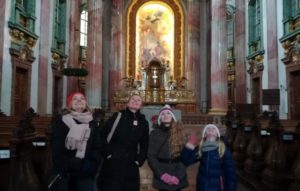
column 234, row 63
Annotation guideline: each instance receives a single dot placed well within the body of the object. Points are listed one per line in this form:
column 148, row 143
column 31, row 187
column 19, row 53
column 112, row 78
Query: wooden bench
column 39, row 155
column 9, row 123
column 287, row 133
column 290, row 125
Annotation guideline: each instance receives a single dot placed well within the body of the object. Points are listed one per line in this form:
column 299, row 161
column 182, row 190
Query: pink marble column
column 44, row 58
column 240, row 52
column 94, row 53
column 2, row 24
column 219, row 96
column 74, row 39
column 272, row 47
column 193, row 62
column 115, row 71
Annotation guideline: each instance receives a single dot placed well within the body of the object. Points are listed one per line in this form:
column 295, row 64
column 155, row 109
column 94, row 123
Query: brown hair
column 177, row 139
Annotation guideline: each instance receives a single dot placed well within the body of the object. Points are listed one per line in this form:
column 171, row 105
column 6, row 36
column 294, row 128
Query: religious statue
column 129, row 82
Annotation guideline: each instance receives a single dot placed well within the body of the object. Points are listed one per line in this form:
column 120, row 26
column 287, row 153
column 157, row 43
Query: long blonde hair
column 177, row 139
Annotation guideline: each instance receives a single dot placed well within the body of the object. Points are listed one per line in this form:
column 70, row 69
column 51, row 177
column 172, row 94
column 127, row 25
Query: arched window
column 255, row 27
column 23, row 15
column 83, row 27
column 59, row 40
column 230, row 31
column 291, row 15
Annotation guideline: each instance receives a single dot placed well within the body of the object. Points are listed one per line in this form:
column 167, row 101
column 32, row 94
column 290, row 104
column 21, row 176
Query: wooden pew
column 280, row 147
column 7, row 124
column 288, row 135
column 8, row 142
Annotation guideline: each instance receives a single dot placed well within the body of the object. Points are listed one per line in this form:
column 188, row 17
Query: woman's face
column 135, row 103
column 78, row 103
column 166, row 116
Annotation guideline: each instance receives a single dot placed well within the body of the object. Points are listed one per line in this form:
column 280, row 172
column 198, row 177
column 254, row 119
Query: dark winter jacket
column 64, row 160
column 213, row 170
column 160, row 161
column 125, row 153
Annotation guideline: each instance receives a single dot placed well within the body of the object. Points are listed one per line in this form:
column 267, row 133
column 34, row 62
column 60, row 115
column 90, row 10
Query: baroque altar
column 157, row 87
column 154, row 56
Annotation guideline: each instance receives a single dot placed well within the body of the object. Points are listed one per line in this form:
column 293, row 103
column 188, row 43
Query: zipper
column 207, row 172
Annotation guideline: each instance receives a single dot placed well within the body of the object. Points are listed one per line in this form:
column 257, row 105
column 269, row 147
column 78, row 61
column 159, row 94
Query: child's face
column 211, row 133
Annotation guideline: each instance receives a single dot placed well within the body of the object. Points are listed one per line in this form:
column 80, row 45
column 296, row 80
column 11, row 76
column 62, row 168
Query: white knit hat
column 211, row 126
column 165, row 108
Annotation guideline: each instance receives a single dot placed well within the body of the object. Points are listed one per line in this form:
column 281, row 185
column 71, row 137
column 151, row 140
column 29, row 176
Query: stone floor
column 146, row 179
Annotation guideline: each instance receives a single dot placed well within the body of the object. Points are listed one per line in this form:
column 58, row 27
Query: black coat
column 160, row 161
column 125, row 153
column 64, row 160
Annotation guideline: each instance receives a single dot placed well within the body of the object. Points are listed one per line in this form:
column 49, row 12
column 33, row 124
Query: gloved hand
column 166, row 178
column 89, row 166
column 174, row 180
column 193, row 139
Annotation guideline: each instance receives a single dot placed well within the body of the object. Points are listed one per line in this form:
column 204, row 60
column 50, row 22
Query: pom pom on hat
column 70, row 98
column 165, row 108
column 210, row 126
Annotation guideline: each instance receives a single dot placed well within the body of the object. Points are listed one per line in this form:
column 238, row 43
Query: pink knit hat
column 165, row 108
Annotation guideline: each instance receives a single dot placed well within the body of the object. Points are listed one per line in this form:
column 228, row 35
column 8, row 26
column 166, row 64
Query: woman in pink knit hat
column 75, row 147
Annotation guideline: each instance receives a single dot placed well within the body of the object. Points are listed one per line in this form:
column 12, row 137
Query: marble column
column 204, row 52
column 74, row 39
column 44, row 59
column 106, row 52
column 94, row 53
column 272, row 46
column 117, row 68
column 193, row 62
column 2, row 24
column 240, row 52
column 219, row 96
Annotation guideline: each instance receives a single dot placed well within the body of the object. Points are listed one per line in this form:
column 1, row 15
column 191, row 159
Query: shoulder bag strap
column 113, row 127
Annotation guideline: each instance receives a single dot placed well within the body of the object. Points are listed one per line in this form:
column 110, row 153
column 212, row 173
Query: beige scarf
column 79, row 133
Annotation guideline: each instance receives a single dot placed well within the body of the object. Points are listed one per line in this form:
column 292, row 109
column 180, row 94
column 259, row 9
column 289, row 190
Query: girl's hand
column 166, row 178
column 193, row 139
column 174, row 180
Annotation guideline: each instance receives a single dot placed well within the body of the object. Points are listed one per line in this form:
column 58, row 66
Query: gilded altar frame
column 132, row 10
